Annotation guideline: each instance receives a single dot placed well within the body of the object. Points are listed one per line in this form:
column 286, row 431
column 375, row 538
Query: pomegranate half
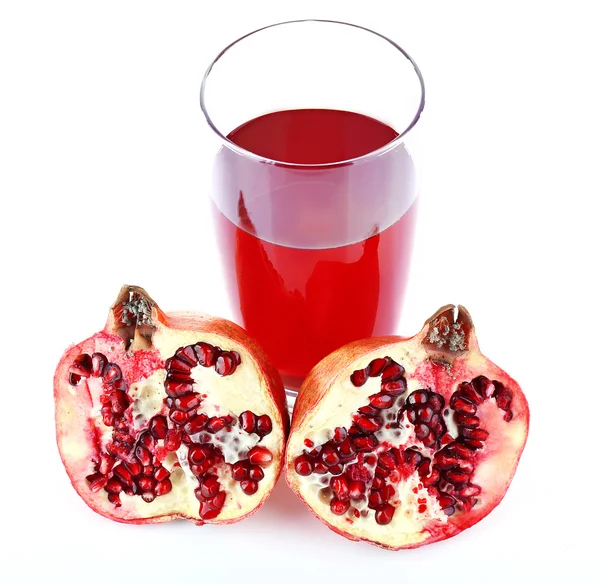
column 404, row 442
column 165, row 416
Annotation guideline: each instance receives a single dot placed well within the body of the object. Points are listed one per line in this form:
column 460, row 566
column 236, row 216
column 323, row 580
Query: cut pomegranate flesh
column 152, row 423
column 403, row 442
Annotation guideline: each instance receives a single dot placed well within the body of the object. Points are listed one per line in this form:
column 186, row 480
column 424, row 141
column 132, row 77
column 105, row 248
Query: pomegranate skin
column 432, row 362
column 141, row 350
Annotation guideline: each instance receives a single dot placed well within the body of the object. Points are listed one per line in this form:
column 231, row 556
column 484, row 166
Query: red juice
column 314, row 256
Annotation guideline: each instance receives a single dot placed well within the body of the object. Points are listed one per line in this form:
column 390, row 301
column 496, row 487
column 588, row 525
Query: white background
column 103, row 181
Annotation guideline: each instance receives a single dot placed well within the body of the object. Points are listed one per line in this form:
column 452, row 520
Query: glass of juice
column 314, row 187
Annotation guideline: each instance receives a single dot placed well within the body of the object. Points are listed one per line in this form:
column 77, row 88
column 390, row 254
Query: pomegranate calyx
column 450, row 331
column 132, row 317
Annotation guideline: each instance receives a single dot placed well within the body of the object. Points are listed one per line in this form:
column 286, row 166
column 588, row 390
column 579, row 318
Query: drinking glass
column 314, row 189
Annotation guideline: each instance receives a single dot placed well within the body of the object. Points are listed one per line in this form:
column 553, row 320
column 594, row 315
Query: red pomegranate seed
column 239, row 471
column 456, row 477
column 175, row 386
column 339, row 507
column 466, row 420
column 161, row 474
column 187, row 355
column 378, row 483
column 260, row 455
column 388, row 492
column 369, row 425
column 382, row 472
column 368, row 411
column 208, row 512
column 339, row 435
column 196, row 424
column 385, row 514
column 97, row 481
column 483, row 386
column 432, row 479
column 163, row 487
column 329, row 456
column 381, row 401
column 308, row 443
column 256, row 473
column 365, row 443
column 123, row 474
column 173, row 439
column 394, row 388
column 187, row 402
column 112, row 373
column 177, row 366
column 460, row 405
column 178, row 417
column 320, row 468
column 375, row 499
column 113, row 485
column 249, row 486
column 206, row 354
column 159, row 427
column 503, row 397
column 336, row 469
column 446, row 501
column 340, row 487
column 392, row 372
column 474, row 434
column 99, row 362
column 421, row 431
column 387, row 461
column 469, row 491
column 377, row 365
column 115, row 499
column 467, row 391
column 146, row 483
column 359, row 377
column 264, row 425
column 248, row 421
column 107, row 416
column 143, row 455
column 303, row 466
column 210, row 486
column 201, row 468
column 225, row 364
column 346, row 450
column 198, row 454
column 218, row 500
column 216, row 424
column 356, row 489
column 82, row 365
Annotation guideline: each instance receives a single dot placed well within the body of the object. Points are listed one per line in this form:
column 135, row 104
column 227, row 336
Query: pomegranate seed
column 320, row 468
column 218, row 500
column 432, row 479
column 457, row 477
column 119, row 450
column 147, row 440
column 466, row 466
column 474, row 434
column 112, row 373
column 392, row 372
column 308, row 443
column 503, row 397
column 163, row 487
column 412, row 456
column 303, row 466
column 382, row 472
column 385, row 514
column 188, row 402
column 340, row 487
column 239, row 471
column 210, row 486
column 248, row 421
column 359, row 377
column 387, row 461
column 123, row 437
column 172, row 439
column 146, row 483
column 388, row 492
column 175, row 386
column 99, row 362
column 368, row 411
column 113, row 485
column 256, row 473
column 469, row 491
column 369, row 424
column 143, row 455
column 508, row 416
column 177, row 366
column 206, row 354
column 260, row 455
column 339, row 507
column 394, row 388
column 375, row 499
column 249, row 486
column 123, row 473
column 196, row 424
column 178, row 417
column 264, row 425
column 187, row 355
column 365, row 443
column 201, row 469
column 97, row 481
column 460, row 405
column 115, row 499
column 74, row 379
column 208, row 512
column 421, row 431
column 330, row 457
column 381, row 401
column 483, row 386
column 466, row 420
column 198, row 454
column 424, row 468
column 346, row 449
column 161, row 474
column 158, row 427
column 356, row 490
column 467, row 392
column 225, row 364
column 216, row 424
column 336, row 469
column 378, row 483
column 339, row 435
column 82, row 366
column 376, row 366
column 446, row 501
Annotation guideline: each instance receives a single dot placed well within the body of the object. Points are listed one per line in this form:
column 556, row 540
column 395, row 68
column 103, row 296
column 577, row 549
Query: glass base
column 291, row 395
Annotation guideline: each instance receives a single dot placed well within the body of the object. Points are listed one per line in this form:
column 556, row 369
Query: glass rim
column 248, row 153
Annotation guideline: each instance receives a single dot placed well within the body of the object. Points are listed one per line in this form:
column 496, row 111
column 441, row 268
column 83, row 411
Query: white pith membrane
column 80, row 423
column 418, row 515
